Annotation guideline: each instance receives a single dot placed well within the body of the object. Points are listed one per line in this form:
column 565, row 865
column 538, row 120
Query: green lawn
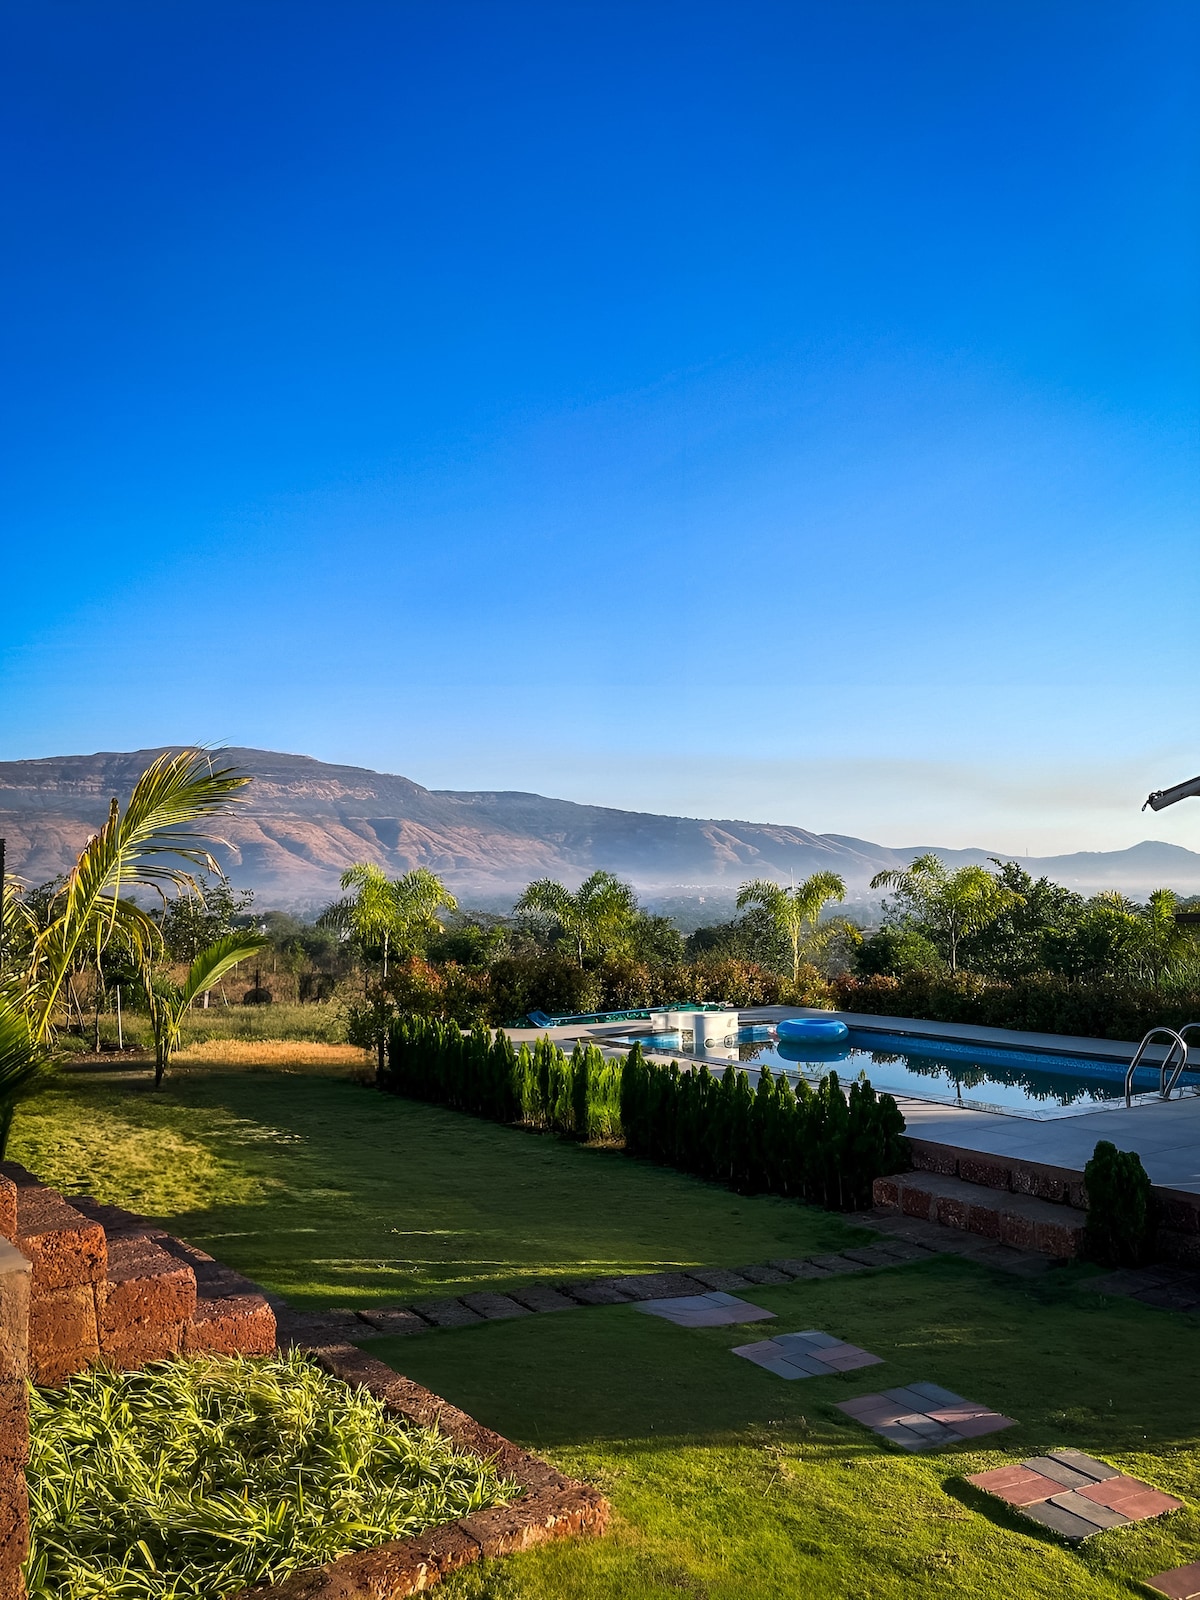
column 727, row 1483
column 332, row 1194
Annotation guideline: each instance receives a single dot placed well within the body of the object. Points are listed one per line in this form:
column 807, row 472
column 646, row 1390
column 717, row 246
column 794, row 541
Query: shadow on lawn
column 1071, row 1372
column 347, row 1197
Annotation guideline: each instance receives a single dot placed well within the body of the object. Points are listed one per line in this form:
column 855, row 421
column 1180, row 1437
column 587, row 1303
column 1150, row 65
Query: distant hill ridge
column 306, row 820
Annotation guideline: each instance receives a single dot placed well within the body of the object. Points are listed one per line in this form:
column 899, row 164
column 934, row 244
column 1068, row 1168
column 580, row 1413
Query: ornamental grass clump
column 195, row 1478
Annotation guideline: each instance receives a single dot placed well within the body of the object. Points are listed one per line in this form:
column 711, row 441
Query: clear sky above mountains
column 785, row 411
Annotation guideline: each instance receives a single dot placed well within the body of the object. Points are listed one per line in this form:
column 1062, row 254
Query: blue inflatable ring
column 813, row 1030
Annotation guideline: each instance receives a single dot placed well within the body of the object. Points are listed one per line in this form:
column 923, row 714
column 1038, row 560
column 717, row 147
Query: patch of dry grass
column 271, row 1053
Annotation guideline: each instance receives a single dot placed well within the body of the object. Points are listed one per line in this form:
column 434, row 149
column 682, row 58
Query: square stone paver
column 394, row 1320
column 714, row 1310
column 1075, row 1495
column 1180, row 1583
column 923, row 1415
column 811, row 1354
column 719, row 1278
column 538, row 1298
column 446, row 1313
column 494, row 1307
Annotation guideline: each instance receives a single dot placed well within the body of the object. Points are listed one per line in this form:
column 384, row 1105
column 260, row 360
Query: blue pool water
column 1022, row 1083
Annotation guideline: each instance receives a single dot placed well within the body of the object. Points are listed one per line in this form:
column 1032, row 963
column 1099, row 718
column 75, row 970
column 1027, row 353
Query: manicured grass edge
column 552, row 1505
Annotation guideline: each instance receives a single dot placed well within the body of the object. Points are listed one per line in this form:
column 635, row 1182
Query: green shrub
column 195, row 1478
column 817, row 1144
column 1120, row 1207
column 1041, row 1003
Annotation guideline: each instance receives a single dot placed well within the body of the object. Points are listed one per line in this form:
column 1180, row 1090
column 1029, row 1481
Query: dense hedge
column 817, row 1145
column 1039, row 1004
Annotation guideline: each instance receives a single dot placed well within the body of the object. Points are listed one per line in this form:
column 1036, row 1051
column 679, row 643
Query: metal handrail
column 1164, row 1088
column 1176, row 1044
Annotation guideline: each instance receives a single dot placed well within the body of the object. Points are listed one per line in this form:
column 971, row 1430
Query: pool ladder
column 1171, row 1069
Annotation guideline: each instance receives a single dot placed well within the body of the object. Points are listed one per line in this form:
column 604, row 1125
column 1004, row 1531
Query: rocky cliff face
column 305, row 821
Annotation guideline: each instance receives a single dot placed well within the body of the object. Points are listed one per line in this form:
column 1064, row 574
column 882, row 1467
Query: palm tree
column 387, row 911
column 150, row 845
column 169, row 1002
column 22, row 1062
column 593, row 917
column 952, row 904
column 140, row 848
column 796, row 912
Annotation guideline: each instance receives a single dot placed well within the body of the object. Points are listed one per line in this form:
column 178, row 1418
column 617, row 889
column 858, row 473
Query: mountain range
column 306, row 820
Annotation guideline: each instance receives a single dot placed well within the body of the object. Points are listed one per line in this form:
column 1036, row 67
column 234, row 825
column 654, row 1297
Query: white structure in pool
column 706, row 1027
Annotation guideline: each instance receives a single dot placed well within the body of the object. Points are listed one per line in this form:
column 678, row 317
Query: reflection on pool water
column 1022, row 1083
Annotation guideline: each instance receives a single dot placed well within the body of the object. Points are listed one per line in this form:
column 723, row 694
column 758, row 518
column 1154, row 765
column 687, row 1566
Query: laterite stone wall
column 82, row 1283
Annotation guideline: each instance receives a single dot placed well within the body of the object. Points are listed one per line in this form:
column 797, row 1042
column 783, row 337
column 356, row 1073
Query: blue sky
column 784, row 411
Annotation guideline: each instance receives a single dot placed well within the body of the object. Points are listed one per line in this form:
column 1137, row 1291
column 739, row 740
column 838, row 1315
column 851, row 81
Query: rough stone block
column 66, row 1249
column 916, row 1202
column 984, row 1220
column 1063, row 1239
column 14, row 1422
column 886, row 1192
column 987, row 1174
column 142, row 1344
column 242, row 1324
column 929, row 1156
column 8, row 1208
column 62, row 1332
column 951, row 1211
column 1018, row 1230
column 16, row 1276
column 1183, row 1249
column 145, row 1287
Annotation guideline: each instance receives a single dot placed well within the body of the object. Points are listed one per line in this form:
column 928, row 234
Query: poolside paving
column 715, row 1310
column 924, row 1416
column 1075, row 1495
column 811, row 1354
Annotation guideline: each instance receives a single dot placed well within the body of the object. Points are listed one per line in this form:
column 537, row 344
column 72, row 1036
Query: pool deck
column 1166, row 1134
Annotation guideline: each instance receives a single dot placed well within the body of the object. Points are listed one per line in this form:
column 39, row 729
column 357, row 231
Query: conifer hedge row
column 817, row 1144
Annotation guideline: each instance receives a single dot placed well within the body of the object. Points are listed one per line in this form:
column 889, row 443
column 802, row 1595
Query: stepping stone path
column 315, row 1328
column 1075, row 1495
column 714, row 1310
column 924, row 1416
column 806, row 1355
column 1181, row 1583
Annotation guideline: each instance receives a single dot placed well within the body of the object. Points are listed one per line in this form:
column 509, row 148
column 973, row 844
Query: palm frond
column 133, row 849
column 211, row 965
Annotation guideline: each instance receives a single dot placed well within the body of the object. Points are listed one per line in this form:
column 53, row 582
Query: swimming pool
column 1016, row 1083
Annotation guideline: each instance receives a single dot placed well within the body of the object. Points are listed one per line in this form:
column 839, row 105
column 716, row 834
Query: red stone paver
column 1026, row 1490
column 1180, row 1583
column 1102, row 1498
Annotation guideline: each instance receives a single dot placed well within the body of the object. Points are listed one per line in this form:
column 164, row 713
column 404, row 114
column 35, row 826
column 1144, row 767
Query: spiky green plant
column 195, row 1478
